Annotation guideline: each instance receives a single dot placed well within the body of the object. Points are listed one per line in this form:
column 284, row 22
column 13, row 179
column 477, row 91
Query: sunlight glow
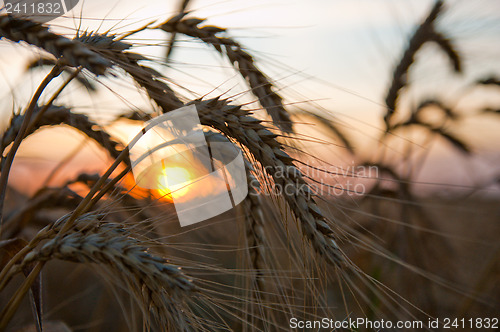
column 182, row 176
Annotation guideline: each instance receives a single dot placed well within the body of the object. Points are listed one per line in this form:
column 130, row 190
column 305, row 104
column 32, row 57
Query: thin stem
column 84, row 204
column 170, row 47
column 45, row 107
column 16, row 300
column 108, row 187
column 64, row 162
column 4, row 177
column 4, row 276
column 88, row 201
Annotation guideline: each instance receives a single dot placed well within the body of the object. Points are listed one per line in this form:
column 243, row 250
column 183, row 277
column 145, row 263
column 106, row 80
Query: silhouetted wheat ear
column 256, row 236
column 119, row 54
column 56, row 115
column 160, row 288
column 494, row 81
column 73, row 52
column 46, row 198
column 425, row 33
column 238, row 124
column 261, row 86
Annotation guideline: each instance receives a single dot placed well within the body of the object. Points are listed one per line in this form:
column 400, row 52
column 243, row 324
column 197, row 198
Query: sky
column 337, row 53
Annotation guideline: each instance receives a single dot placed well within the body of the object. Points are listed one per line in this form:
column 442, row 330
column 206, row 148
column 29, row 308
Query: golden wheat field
column 202, row 165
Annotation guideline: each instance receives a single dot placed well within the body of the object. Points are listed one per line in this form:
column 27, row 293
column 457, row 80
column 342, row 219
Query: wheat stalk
column 6, row 163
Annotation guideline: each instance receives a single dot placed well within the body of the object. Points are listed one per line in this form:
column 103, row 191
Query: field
column 363, row 200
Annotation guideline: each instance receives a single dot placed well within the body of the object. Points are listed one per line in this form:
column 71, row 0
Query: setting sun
column 181, row 176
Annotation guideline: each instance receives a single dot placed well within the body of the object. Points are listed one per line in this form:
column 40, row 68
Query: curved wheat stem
column 43, row 61
column 6, row 163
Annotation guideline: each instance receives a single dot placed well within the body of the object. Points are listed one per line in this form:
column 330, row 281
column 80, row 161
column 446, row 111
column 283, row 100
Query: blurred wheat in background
column 376, row 203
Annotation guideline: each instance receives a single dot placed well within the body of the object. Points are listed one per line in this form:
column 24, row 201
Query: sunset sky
column 337, row 53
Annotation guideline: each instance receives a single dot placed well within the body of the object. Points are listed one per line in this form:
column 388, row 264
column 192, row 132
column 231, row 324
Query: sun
column 181, row 175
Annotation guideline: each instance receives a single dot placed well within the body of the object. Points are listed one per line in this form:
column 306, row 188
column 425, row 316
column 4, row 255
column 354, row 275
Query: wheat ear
column 160, row 287
column 45, row 198
column 237, row 123
column 259, row 83
column 118, row 53
column 74, row 53
column 492, row 80
column 255, row 226
column 423, row 34
column 56, row 115
column 94, row 52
